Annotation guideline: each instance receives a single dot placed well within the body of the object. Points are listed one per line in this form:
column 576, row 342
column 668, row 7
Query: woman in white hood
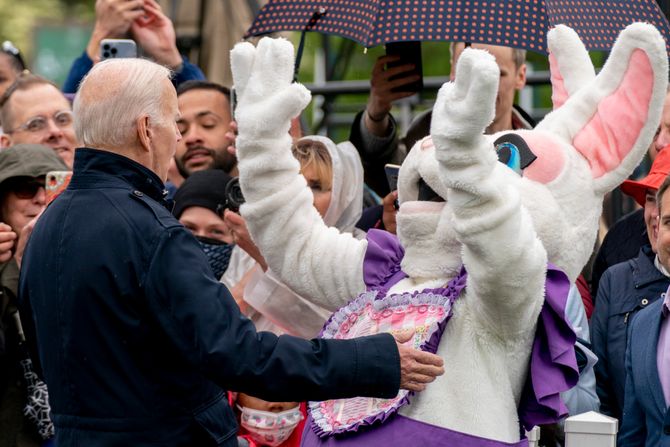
column 334, row 173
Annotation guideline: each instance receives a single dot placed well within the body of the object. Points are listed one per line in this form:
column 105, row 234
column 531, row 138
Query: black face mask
column 218, row 254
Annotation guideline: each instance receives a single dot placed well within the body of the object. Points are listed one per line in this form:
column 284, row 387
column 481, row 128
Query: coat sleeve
column 375, row 152
column 633, row 428
column 200, row 318
column 78, row 70
column 599, row 320
column 83, row 64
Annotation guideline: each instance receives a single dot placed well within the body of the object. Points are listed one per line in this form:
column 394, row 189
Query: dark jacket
column 83, row 64
column 646, row 416
column 625, row 289
column 137, row 339
column 622, row 242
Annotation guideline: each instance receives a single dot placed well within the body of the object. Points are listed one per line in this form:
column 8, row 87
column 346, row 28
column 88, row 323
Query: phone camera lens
column 105, row 54
column 113, row 50
column 105, row 46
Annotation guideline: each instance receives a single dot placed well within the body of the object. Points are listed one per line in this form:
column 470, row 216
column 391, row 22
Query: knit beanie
column 202, row 188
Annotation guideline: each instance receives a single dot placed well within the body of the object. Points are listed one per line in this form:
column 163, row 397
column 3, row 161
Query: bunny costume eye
column 513, row 152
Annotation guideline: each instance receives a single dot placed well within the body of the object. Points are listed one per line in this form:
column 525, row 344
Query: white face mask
column 267, row 428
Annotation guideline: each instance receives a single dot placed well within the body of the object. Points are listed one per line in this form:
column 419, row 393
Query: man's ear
column 520, row 77
column 144, row 132
column 5, row 141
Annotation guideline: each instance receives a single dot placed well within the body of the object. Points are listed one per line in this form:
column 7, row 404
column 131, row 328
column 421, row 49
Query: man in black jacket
column 137, row 339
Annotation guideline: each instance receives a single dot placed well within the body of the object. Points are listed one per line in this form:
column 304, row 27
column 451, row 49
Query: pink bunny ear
column 559, row 94
column 569, row 64
column 619, row 118
column 611, row 120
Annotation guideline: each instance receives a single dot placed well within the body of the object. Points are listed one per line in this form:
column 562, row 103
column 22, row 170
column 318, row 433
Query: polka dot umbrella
column 514, row 23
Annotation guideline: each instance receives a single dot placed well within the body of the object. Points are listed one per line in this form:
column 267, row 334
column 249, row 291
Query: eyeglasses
column 36, row 124
column 24, row 187
column 9, row 48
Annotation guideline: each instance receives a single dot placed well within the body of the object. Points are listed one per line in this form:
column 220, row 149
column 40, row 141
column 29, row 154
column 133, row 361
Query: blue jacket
column 83, row 65
column 137, row 339
column 646, row 417
column 624, row 289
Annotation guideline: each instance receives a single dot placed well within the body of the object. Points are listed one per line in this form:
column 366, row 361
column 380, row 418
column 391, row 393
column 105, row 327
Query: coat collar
column 644, row 271
column 90, row 164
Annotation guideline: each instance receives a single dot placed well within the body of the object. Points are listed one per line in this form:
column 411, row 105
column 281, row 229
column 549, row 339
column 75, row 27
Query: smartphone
column 392, row 175
column 117, row 48
column 410, row 53
column 55, row 183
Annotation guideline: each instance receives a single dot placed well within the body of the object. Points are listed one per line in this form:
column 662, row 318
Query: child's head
column 267, row 423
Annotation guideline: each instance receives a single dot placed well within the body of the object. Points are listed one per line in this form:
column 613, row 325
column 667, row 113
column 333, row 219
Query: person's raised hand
column 417, row 368
column 465, row 107
column 381, row 86
column 7, row 241
column 242, row 238
column 155, row 33
column 267, row 97
column 113, row 19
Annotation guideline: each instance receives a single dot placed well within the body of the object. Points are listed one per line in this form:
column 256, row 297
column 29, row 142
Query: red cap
column 658, row 172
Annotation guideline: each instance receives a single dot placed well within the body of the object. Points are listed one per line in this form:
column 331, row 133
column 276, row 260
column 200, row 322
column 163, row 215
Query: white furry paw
column 465, row 107
column 267, row 97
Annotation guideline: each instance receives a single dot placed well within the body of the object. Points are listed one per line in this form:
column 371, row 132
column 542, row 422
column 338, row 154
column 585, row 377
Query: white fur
column 503, row 227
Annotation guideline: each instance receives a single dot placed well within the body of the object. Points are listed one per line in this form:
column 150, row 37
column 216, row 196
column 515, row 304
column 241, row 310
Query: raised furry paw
column 267, row 97
column 465, row 107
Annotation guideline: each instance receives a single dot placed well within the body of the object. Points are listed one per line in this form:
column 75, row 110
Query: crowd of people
column 141, row 308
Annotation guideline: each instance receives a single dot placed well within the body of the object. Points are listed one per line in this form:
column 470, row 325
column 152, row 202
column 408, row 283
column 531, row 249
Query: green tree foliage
column 20, row 18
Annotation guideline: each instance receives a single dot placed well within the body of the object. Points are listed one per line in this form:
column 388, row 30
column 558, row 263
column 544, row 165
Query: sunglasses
column 24, row 187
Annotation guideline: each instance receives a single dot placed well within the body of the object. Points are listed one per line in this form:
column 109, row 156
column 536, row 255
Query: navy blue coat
column 137, row 339
column 625, row 289
column 646, row 419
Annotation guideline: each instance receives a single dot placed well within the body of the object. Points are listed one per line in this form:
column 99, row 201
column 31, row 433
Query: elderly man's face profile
column 166, row 132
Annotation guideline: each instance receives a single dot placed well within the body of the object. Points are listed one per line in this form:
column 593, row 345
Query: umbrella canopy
column 513, row 23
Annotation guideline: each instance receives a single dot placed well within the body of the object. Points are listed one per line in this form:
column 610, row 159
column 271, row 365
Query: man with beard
column 205, row 126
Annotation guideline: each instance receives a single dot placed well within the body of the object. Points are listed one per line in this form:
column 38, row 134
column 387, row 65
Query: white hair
column 113, row 95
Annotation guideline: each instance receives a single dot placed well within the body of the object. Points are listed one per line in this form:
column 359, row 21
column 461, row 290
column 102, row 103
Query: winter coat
column 624, row 289
column 646, row 420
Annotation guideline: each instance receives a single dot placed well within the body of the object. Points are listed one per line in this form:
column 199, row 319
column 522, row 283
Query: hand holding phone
column 408, row 53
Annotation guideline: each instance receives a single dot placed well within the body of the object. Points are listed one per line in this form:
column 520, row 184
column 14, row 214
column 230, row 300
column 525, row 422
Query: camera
column 233, row 193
